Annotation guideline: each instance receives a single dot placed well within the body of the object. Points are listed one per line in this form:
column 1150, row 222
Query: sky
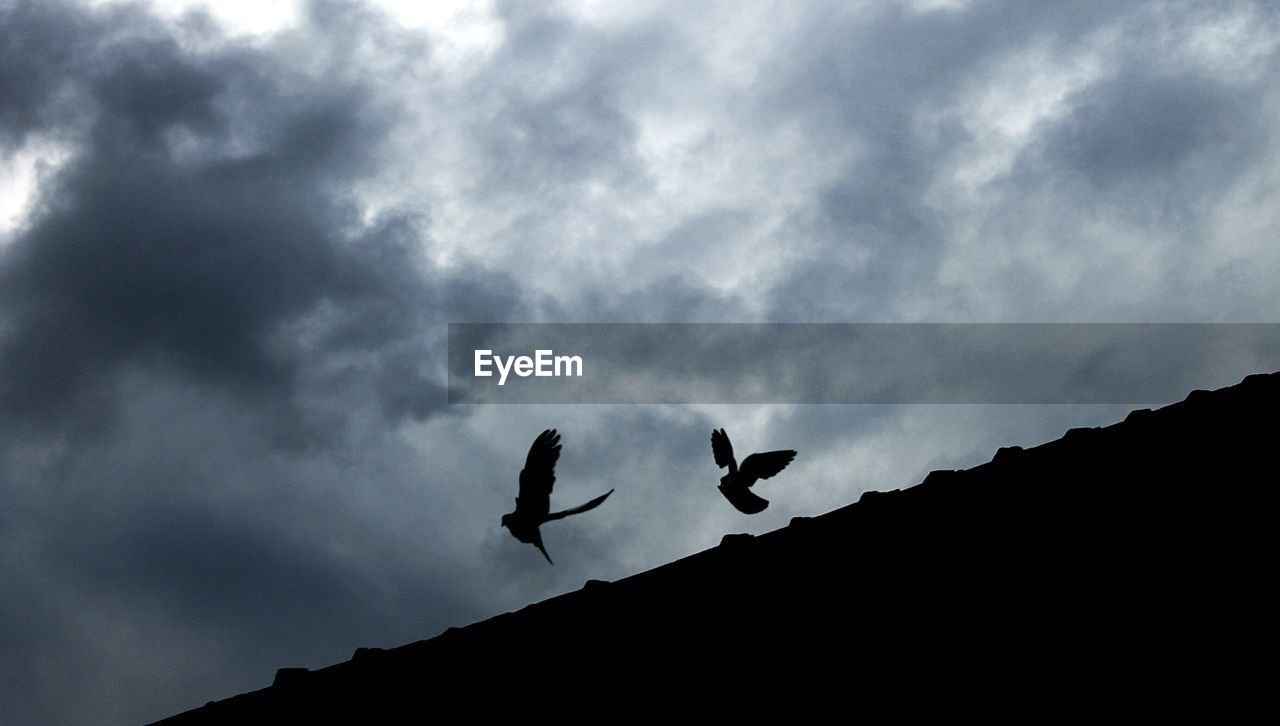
column 231, row 240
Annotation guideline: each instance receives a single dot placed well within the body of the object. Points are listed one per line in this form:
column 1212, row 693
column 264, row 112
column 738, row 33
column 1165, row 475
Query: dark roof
column 1140, row 549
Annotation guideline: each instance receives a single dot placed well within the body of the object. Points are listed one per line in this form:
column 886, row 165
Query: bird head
column 506, row 520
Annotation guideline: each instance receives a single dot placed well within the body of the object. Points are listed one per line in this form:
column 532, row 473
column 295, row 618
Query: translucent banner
column 852, row 363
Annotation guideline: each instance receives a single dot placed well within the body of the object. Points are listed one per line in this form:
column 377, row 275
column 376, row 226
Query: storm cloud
column 230, row 259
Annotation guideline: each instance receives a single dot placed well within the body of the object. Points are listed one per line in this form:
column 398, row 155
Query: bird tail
column 580, row 509
column 543, row 550
column 537, row 542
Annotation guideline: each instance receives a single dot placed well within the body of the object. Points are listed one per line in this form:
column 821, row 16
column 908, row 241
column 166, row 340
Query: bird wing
column 581, row 508
column 765, row 465
column 744, row 500
column 539, row 475
column 722, row 449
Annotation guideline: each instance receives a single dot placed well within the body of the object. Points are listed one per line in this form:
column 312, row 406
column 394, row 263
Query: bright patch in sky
column 459, row 28
column 238, row 17
column 20, row 174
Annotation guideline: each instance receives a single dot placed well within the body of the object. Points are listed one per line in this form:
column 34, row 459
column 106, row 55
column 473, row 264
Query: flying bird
column 533, row 505
column 736, row 485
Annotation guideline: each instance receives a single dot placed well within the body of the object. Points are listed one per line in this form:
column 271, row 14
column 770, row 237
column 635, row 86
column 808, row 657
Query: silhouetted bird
column 533, row 505
column 736, row 485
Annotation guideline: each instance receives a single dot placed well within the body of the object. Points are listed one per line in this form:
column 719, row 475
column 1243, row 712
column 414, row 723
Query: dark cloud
column 43, row 46
column 181, row 238
column 1145, row 125
column 183, row 536
column 199, row 266
column 1150, row 145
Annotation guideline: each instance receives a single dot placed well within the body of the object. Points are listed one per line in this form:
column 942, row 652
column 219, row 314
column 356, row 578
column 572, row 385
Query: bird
column 736, row 485
column 533, row 504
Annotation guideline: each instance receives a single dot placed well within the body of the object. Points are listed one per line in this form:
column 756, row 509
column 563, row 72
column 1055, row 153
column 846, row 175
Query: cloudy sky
column 231, row 240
